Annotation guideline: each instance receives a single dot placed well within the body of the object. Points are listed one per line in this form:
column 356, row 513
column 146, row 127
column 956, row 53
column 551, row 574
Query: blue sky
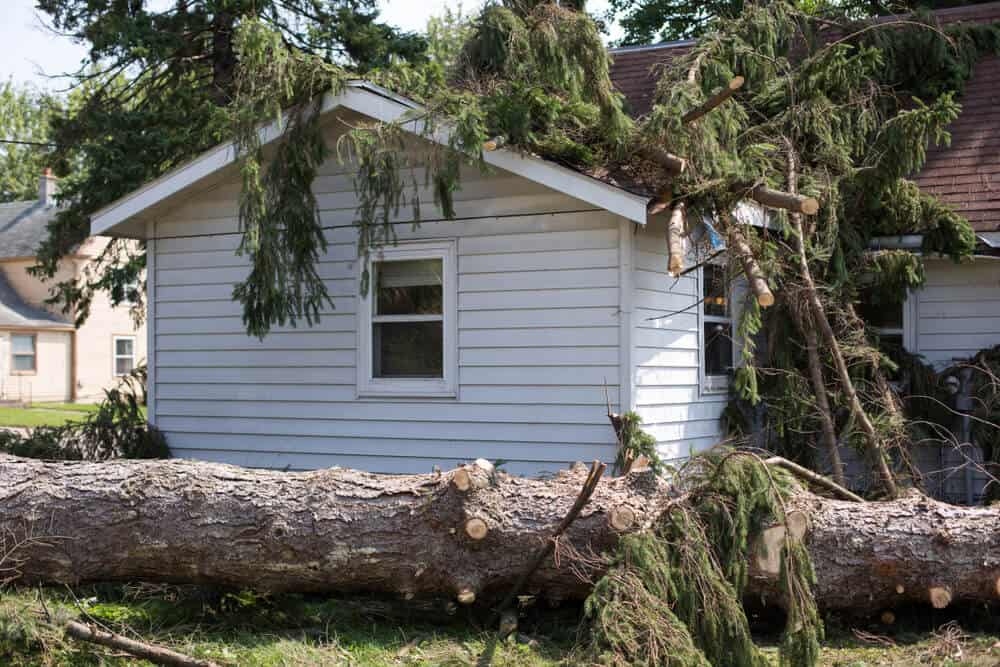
column 31, row 51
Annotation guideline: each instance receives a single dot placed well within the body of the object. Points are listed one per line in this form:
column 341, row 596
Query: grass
column 45, row 414
column 247, row 630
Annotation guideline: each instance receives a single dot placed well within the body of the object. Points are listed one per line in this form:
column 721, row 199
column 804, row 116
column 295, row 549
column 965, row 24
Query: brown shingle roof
column 965, row 174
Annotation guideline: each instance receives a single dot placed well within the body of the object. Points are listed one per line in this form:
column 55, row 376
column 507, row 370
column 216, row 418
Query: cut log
column 715, row 100
column 784, row 200
column 476, row 475
column 751, row 269
column 495, row 143
column 476, row 528
column 342, row 530
column 675, row 241
column 673, row 164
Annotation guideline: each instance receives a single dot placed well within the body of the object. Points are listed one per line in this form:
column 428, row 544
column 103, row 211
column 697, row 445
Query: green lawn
column 248, row 631
column 44, row 414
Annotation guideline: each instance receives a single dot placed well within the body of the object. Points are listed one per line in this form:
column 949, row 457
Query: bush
column 118, row 429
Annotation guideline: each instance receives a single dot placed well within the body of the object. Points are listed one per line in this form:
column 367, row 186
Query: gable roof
column 23, row 226
column 125, row 217
column 965, row 174
column 16, row 314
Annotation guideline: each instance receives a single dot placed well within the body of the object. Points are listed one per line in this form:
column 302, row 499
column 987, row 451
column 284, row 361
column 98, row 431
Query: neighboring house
column 502, row 333
column 43, row 356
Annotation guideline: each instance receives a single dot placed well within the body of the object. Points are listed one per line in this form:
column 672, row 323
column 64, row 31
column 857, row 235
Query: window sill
column 404, row 389
column 716, row 384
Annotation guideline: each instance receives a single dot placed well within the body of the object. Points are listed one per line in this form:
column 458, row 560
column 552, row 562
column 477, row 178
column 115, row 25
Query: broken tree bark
column 675, row 241
column 342, row 530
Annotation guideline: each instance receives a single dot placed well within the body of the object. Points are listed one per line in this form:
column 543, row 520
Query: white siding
column 538, row 316
column 665, row 352
column 957, row 312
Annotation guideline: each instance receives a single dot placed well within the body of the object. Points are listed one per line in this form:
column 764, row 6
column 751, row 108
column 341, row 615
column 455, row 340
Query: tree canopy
column 649, row 21
column 155, row 92
column 24, row 118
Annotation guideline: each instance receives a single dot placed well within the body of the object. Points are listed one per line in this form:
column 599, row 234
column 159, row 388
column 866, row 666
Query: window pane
column 410, row 287
column 714, row 290
column 21, row 344
column 718, row 348
column 880, row 313
column 123, row 347
column 408, row 349
column 24, row 362
column 123, row 365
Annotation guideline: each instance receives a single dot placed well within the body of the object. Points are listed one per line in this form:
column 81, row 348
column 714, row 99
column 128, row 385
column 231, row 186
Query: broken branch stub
column 755, row 277
column 675, row 241
column 715, row 100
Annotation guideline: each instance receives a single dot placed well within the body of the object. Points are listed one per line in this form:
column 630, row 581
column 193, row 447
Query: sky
column 32, row 54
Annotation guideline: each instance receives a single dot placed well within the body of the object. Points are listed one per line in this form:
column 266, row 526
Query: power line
column 28, row 143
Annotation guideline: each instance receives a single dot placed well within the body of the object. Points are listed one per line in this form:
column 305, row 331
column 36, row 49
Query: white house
column 521, row 317
column 499, row 334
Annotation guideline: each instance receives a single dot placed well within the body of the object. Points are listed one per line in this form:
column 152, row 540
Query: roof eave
column 124, row 216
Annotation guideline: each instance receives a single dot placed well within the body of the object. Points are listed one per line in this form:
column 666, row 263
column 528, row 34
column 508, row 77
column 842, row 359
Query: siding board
column 665, row 356
column 538, row 317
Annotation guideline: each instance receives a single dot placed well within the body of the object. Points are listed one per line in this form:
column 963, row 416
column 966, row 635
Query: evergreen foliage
column 154, row 93
column 634, row 442
column 673, row 595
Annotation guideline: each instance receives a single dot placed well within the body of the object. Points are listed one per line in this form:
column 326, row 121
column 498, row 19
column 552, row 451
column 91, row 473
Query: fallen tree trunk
column 344, row 530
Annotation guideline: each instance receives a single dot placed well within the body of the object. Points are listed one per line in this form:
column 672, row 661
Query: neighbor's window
column 124, row 354
column 23, row 352
column 407, row 341
column 717, row 328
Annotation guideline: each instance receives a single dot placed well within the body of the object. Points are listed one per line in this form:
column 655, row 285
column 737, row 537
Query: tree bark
column 880, row 555
column 342, row 530
column 328, row 530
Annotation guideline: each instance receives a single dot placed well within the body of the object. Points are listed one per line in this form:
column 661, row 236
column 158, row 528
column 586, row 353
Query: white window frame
column 908, row 332
column 115, row 356
column 34, row 354
column 714, row 384
column 444, row 387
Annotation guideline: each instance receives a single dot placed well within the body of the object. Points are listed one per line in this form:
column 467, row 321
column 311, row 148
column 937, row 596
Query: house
column 504, row 333
column 43, row 355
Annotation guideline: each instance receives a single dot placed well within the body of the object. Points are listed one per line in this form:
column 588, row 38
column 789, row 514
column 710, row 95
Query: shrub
column 117, row 429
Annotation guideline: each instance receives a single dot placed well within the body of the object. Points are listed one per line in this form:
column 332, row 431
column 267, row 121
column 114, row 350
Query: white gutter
column 901, row 242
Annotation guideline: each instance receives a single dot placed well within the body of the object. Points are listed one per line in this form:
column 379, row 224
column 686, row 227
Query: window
column 23, row 353
column 124, row 351
column 717, row 329
column 888, row 321
column 408, row 323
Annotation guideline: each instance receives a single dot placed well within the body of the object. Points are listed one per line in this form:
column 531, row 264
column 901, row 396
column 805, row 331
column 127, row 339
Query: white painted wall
column 665, row 352
column 957, row 312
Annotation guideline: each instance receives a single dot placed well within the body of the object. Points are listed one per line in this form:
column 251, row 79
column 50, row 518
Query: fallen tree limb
column 157, row 655
column 715, row 100
column 342, row 531
column 814, row 478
